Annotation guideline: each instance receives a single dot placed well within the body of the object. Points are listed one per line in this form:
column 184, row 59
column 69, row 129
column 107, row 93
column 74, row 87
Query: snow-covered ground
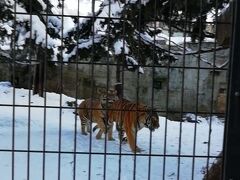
column 31, row 119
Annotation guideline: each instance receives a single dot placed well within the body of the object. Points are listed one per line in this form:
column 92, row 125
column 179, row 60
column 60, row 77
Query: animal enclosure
column 119, row 89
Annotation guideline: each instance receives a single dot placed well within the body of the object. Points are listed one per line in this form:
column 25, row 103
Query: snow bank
column 35, row 120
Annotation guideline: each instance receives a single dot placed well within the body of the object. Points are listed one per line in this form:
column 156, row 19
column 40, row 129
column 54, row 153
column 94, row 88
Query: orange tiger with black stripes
column 130, row 117
column 91, row 110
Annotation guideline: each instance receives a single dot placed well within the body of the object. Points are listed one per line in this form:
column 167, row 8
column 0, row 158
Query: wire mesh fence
column 116, row 89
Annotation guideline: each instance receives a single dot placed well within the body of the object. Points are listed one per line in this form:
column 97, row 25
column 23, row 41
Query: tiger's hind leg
column 110, row 132
column 83, row 131
column 105, row 127
column 102, row 129
column 124, row 140
column 88, row 126
column 84, row 122
column 99, row 134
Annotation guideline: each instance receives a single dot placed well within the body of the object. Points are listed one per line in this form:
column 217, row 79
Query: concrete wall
column 5, row 74
column 174, row 89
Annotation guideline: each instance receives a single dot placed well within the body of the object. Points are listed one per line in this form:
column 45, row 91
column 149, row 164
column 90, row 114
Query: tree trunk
column 38, row 84
column 118, row 85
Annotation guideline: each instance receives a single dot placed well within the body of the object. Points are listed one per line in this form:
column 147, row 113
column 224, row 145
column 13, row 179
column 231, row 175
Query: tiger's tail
column 95, row 128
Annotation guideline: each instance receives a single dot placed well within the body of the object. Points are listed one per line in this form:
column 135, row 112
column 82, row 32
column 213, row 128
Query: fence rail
column 173, row 58
column 232, row 135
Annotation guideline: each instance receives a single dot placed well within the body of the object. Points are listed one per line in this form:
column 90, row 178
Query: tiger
column 130, row 117
column 91, row 110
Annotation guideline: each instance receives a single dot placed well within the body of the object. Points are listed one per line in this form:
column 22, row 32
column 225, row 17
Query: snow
column 86, row 43
column 113, row 11
column 226, row 7
column 38, row 31
column 211, row 15
column 68, row 25
column 132, row 63
column 33, row 118
column 121, row 46
column 7, row 28
column 178, row 40
column 61, row 25
column 134, row 1
column 71, row 7
column 5, row 43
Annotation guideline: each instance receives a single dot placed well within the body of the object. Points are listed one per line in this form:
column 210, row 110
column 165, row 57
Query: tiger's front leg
column 121, row 137
column 131, row 135
column 121, row 132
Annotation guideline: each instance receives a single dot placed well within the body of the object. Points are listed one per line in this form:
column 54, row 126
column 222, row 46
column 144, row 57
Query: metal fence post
column 232, row 133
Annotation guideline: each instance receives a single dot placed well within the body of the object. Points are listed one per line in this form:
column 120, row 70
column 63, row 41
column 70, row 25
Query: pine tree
column 123, row 31
column 23, row 36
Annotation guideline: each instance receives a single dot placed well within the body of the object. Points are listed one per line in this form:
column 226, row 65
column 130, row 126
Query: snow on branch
column 147, row 39
column 121, row 46
column 87, row 43
column 132, row 64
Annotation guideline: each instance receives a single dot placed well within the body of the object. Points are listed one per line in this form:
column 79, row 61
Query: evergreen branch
column 186, row 51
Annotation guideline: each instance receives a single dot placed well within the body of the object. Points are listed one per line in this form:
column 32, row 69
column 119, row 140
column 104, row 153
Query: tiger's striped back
column 131, row 117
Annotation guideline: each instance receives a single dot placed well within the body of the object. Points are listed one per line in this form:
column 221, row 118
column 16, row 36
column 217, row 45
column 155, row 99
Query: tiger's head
column 152, row 120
